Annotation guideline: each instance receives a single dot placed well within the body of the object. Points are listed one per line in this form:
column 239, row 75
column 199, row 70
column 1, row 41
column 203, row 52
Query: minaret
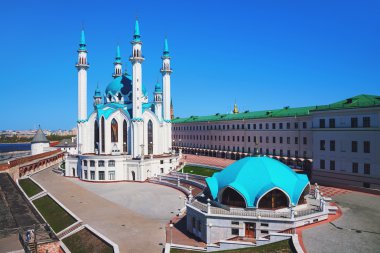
column 166, row 71
column 117, row 63
column 158, row 100
column 136, row 60
column 97, row 97
column 82, row 67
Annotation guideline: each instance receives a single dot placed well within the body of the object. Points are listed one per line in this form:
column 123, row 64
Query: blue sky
column 263, row 54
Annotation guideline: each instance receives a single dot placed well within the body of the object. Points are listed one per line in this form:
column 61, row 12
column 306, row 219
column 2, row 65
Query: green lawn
column 277, row 247
column 197, row 170
column 29, row 187
column 55, row 215
column 84, row 241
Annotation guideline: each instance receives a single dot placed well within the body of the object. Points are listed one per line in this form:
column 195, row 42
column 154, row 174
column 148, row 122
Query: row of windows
column 101, row 175
column 366, row 122
column 355, row 167
column 354, row 146
column 267, row 126
column 274, row 139
column 111, row 163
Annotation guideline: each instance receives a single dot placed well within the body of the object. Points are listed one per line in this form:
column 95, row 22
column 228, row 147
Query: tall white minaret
column 82, row 67
column 166, row 71
column 136, row 60
column 118, row 70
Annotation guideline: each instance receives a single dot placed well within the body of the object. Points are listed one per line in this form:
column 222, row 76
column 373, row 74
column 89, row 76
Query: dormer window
column 109, row 98
column 119, row 97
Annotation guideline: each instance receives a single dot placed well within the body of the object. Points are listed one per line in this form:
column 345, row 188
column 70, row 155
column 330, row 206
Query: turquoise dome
column 157, row 87
column 121, row 84
column 253, row 177
column 97, row 94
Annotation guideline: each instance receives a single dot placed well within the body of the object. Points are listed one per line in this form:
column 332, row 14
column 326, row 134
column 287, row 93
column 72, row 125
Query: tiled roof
column 40, row 137
column 360, row 101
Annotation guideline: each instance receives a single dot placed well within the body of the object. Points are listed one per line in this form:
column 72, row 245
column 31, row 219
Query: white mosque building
column 126, row 137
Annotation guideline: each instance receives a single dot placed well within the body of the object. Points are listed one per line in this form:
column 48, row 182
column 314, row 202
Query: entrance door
column 250, row 230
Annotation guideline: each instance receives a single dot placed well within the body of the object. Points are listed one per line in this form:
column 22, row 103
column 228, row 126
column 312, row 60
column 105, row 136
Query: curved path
column 132, row 215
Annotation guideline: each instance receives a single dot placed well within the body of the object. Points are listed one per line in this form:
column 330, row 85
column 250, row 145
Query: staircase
column 70, row 230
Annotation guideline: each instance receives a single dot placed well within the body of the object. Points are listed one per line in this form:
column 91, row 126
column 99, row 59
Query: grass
column 277, row 247
column 197, row 170
column 29, row 187
column 55, row 215
column 85, row 241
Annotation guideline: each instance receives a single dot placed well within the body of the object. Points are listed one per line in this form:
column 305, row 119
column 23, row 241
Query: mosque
column 127, row 136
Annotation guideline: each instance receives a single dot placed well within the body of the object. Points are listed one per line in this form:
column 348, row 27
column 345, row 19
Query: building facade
column 336, row 143
column 126, row 137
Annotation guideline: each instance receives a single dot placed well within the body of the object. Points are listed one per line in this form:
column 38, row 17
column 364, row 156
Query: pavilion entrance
column 250, row 230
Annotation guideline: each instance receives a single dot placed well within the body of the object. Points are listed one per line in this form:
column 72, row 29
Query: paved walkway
column 132, row 230
column 207, row 160
column 358, row 230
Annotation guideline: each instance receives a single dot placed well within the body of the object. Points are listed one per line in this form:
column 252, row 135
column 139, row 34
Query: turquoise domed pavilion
column 258, row 182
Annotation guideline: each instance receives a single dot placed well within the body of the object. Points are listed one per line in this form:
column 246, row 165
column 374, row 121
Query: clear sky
column 263, row 54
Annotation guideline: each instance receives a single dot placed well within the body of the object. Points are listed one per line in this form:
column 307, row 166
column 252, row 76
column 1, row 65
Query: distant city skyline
column 263, row 55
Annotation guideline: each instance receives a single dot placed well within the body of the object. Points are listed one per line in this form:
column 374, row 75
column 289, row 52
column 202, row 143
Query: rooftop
column 360, row 101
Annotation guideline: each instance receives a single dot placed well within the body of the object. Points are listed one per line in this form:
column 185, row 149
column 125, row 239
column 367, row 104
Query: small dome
column 157, row 87
column 97, row 94
column 254, row 177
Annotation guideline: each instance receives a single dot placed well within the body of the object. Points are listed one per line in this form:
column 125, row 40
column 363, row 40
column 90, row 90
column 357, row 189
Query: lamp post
column 171, row 233
column 210, row 226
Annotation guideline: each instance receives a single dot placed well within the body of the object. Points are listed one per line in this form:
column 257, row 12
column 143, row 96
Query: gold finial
column 236, row 110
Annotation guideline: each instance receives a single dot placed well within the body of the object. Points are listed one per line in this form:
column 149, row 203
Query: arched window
column 125, row 136
column 133, row 176
column 150, row 137
column 231, row 197
column 273, row 200
column 96, row 135
column 305, row 192
column 114, row 131
column 103, row 138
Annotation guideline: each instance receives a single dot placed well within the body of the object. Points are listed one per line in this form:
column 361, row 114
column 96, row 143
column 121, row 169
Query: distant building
column 338, row 144
column 68, row 145
column 40, row 143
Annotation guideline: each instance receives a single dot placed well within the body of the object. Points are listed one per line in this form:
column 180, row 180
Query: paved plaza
column 133, row 215
column 358, row 230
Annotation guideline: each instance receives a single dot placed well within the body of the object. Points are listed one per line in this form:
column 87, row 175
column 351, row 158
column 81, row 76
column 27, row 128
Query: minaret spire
column 166, row 71
column 82, row 66
column 117, row 63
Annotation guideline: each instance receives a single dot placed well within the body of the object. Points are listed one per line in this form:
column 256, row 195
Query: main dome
column 253, row 177
column 121, row 84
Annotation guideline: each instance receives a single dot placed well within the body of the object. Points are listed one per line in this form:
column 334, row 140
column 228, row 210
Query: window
column 354, row 146
column 288, row 125
column 296, row 125
column 249, row 138
column 234, row 231
column 304, row 140
column 264, row 224
column 233, row 138
column 322, row 145
column 100, row 163
column 111, row 175
column 242, row 138
column 92, row 163
column 260, row 126
column 273, row 125
column 304, row 125
column 332, row 123
column 114, row 131
column 288, row 140
column 354, row 122
column 296, row 140
column 274, row 139
column 281, row 140
column 355, row 167
column 101, row 175
column 332, row 165
column 85, row 174
column 261, row 139
column 111, row 163
column 92, row 175
column 84, row 162
column 367, row 147
column 280, row 126
column 238, row 138
column 264, row 232
column 266, row 139
column 322, row 123
column 332, row 145
column 254, row 126
column 367, row 168
column 322, row 164
column 366, row 122
column 266, row 126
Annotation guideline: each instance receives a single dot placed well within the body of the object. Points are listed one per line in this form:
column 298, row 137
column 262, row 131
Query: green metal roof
column 360, row 101
column 136, row 36
column 252, row 177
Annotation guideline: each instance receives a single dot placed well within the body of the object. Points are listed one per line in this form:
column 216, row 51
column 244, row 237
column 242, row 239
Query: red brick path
column 206, row 160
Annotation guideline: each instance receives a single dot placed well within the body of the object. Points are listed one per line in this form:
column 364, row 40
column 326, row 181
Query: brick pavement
column 207, row 160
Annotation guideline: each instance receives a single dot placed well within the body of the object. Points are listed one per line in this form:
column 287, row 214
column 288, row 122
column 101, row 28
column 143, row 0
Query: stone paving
column 358, row 230
column 135, row 224
column 207, row 160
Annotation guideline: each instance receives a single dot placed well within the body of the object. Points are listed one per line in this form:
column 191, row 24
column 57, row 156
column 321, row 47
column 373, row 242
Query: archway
column 305, row 192
column 103, row 132
column 231, row 197
column 114, row 131
column 150, row 137
column 96, row 135
column 274, row 199
column 125, row 137
column 133, row 176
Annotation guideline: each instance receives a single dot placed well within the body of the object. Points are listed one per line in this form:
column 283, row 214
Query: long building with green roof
column 341, row 138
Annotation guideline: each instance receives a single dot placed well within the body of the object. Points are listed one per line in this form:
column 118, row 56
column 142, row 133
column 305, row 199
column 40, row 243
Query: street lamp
column 171, row 233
